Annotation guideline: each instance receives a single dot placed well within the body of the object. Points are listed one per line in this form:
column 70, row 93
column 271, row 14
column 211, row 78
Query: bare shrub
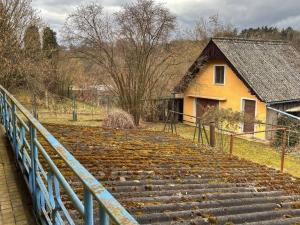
column 227, row 118
column 119, row 119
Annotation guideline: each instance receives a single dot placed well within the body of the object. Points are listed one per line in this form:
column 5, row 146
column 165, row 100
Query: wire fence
column 267, row 143
column 53, row 107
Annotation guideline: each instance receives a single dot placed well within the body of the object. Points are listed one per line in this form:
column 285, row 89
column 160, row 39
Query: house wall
column 271, row 119
column 234, row 90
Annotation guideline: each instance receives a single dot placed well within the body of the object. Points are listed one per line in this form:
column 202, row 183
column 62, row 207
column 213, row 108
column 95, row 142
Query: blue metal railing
column 284, row 113
column 46, row 187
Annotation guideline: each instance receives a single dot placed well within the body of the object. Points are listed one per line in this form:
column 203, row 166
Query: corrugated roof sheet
column 270, row 68
column 164, row 179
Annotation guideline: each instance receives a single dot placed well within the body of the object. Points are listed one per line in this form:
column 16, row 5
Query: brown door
column 203, row 103
column 249, row 115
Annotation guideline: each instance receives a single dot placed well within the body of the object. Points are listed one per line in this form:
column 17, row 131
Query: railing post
column 104, row 218
column 55, row 214
column 34, row 158
column 212, row 134
column 14, row 124
column 21, row 146
column 5, row 112
column 9, row 122
column 231, row 145
column 1, row 107
column 88, row 207
column 283, row 149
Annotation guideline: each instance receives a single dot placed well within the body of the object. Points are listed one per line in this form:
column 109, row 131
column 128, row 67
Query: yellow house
column 245, row 75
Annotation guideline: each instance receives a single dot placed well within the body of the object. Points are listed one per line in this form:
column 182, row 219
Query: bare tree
column 16, row 68
column 132, row 46
column 213, row 27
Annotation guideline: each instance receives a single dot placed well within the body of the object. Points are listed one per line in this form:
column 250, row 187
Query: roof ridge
column 250, row 40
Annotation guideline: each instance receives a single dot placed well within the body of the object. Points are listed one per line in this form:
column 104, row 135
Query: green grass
column 60, row 111
column 266, row 155
column 63, row 118
column 255, row 151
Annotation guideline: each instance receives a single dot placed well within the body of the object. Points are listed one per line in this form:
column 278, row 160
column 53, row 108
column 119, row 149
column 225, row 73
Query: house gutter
column 284, row 101
column 284, row 113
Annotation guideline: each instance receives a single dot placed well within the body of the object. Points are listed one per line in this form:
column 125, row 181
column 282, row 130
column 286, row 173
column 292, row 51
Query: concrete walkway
column 15, row 202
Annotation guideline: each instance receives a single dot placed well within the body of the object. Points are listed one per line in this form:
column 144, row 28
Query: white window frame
column 242, row 111
column 214, row 76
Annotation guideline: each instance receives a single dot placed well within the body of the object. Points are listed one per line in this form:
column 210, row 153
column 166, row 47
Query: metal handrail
column 47, row 203
column 284, row 113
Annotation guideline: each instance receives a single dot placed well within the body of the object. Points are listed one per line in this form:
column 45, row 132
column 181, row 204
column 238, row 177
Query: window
column 219, row 74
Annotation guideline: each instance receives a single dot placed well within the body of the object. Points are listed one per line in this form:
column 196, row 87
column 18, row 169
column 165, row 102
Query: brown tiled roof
column 162, row 179
column 270, row 68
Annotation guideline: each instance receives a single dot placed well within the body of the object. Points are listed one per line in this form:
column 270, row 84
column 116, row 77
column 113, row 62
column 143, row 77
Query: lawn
column 83, row 119
column 251, row 150
column 60, row 111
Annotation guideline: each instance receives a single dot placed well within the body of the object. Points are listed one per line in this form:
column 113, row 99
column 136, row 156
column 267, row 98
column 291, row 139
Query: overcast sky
column 240, row 13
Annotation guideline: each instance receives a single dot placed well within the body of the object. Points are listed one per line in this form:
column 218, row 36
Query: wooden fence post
column 212, row 134
column 231, row 145
column 74, row 109
column 283, row 150
column 167, row 121
column 199, row 130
